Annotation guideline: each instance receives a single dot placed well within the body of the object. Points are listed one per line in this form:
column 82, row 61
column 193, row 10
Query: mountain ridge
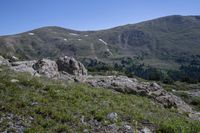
column 163, row 40
column 104, row 29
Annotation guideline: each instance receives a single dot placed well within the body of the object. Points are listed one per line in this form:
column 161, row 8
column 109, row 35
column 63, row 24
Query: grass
column 60, row 106
column 181, row 86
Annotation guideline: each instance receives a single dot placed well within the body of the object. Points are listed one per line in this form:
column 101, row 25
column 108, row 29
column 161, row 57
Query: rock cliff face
column 67, row 68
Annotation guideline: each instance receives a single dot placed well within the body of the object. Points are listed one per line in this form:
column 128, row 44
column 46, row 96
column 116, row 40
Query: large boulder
column 66, row 68
column 71, row 66
column 46, row 67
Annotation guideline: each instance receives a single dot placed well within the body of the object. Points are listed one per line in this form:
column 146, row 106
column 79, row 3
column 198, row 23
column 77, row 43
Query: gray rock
column 194, row 116
column 71, row 66
column 146, row 130
column 14, row 80
column 34, row 103
column 112, row 116
column 85, row 131
column 112, row 128
column 24, row 66
column 46, row 67
column 83, row 120
column 127, row 129
column 31, row 118
column 67, row 77
column 132, row 86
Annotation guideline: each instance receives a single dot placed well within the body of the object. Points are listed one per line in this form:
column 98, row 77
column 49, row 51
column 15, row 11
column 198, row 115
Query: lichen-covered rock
column 46, row 67
column 71, row 66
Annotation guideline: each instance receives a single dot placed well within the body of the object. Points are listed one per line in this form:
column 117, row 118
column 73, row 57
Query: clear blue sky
column 22, row 15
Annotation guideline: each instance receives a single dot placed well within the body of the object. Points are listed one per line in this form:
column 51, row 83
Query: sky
column 22, row 15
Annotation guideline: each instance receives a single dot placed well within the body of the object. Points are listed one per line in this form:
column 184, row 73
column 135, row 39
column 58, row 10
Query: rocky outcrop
column 71, row 66
column 132, row 86
column 46, row 67
column 67, row 68
column 24, row 66
column 167, row 98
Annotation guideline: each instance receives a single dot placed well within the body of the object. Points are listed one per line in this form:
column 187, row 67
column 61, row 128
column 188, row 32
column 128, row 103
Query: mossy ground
column 60, row 106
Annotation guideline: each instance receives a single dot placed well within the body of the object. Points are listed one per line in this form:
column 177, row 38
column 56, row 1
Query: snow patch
column 65, row 39
column 108, row 50
column 79, row 39
column 73, row 34
column 31, row 34
column 101, row 40
column 85, row 35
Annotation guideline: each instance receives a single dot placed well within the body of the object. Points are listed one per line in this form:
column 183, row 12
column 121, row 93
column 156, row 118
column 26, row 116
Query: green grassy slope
column 43, row 105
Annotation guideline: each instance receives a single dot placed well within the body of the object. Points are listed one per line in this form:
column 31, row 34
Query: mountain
column 40, row 92
column 161, row 43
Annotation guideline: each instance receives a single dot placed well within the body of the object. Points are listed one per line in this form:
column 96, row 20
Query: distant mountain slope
column 160, row 42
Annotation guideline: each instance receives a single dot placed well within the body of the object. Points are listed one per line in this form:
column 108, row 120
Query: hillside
column 166, row 43
column 32, row 104
column 59, row 95
column 168, row 37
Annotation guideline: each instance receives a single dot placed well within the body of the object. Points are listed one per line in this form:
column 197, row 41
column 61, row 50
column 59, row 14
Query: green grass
column 60, row 106
column 181, row 86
